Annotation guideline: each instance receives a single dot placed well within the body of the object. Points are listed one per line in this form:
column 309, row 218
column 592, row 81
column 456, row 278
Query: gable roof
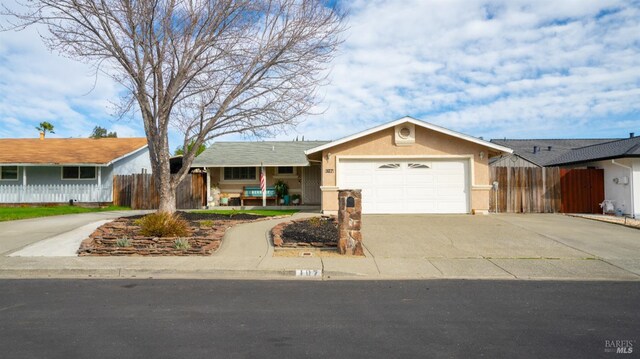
column 629, row 147
column 415, row 122
column 543, row 157
column 253, row 154
column 67, row 151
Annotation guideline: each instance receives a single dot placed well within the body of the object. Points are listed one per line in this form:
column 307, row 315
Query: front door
column 311, row 184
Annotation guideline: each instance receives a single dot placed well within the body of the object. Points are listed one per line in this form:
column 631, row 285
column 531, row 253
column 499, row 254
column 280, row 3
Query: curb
column 125, row 273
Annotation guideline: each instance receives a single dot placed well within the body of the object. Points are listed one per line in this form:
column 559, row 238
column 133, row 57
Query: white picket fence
column 54, row 193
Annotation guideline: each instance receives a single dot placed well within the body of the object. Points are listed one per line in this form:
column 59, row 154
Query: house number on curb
column 308, row 272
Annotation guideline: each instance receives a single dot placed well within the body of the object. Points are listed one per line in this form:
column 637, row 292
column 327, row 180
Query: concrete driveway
column 534, row 245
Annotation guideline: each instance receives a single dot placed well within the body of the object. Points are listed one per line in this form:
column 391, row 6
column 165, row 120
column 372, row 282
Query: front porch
column 239, row 187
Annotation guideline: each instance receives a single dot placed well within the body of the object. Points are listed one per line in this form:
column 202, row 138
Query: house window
column 286, row 170
column 77, row 172
column 239, row 173
column 9, row 173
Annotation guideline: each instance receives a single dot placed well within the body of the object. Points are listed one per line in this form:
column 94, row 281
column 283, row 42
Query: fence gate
column 582, row 190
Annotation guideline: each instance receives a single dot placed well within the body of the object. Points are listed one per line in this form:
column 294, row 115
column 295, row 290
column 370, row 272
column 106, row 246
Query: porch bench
column 254, row 192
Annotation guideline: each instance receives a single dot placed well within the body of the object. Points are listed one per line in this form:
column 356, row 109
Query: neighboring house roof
column 545, row 156
column 629, row 147
column 417, row 123
column 251, row 154
column 67, row 151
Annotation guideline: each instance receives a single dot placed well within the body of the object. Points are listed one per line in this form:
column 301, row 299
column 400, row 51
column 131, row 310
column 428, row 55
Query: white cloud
column 37, row 85
column 514, row 68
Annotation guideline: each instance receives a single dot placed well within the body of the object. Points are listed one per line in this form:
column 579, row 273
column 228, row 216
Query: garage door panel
column 419, row 180
column 408, row 185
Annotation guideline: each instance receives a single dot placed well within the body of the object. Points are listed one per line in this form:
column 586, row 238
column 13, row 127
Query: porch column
column 24, row 184
column 208, row 169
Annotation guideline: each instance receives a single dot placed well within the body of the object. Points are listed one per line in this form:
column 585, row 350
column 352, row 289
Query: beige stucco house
column 405, row 166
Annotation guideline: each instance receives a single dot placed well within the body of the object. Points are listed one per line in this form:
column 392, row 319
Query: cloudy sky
column 516, row 69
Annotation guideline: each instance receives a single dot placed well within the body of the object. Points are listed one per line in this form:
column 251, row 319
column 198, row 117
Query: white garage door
column 408, row 185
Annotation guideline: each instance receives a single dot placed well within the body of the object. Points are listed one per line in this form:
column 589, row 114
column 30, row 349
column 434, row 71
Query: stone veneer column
column 350, row 222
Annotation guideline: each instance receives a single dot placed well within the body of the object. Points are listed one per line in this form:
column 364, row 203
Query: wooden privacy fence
column 582, row 190
column 526, row 190
column 138, row 191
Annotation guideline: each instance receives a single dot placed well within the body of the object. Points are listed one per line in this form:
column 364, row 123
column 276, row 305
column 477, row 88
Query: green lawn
column 12, row 213
column 258, row 212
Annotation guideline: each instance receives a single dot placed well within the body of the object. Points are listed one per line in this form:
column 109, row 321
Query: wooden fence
column 582, row 190
column 138, row 191
column 526, row 190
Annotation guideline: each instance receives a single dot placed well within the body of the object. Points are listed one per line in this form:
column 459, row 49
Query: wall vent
column 405, row 134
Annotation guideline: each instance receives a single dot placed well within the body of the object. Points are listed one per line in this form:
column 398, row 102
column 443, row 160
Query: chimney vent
column 535, row 149
column 631, row 134
column 42, row 135
column 549, row 148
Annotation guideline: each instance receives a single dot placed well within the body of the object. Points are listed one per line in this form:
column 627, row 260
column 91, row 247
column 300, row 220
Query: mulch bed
column 207, row 231
column 319, row 232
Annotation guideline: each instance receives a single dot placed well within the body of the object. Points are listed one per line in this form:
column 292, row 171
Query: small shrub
column 163, row 225
column 315, row 222
column 181, row 243
column 123, row 242
column 207, row 223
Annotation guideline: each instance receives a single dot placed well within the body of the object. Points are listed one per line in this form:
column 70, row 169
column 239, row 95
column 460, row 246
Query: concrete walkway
column 246, row 253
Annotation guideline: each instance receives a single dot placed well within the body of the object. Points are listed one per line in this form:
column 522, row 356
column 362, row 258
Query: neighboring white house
column 58, row 170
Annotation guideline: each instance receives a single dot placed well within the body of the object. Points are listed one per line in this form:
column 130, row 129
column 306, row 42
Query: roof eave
column 593, row 160
column 217, row 165
column 415, row 122
column 55, row 164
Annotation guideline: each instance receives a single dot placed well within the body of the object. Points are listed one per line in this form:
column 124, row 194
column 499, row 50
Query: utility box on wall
column 350, row 222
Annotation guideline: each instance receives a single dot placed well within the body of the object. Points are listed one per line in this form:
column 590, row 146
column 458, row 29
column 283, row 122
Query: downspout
column 633, row 210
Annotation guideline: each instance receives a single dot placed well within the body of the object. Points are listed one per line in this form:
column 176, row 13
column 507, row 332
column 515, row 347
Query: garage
column 408, row 185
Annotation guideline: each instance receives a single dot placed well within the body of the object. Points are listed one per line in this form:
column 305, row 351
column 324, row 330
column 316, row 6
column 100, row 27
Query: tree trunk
column 167, row 199
column 164, row 182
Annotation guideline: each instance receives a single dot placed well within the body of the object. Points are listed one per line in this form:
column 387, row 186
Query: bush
column 123, row 242
column 163, row 225
column 181, row 243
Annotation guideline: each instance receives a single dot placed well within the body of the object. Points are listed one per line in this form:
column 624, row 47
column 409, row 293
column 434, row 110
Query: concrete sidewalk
column 246, row 253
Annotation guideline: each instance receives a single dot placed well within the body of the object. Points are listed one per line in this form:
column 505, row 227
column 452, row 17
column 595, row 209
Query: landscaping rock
column 204, row 240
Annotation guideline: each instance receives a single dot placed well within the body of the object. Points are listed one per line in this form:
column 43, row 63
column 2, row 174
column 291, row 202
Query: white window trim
column 11, row 179
column 95, row 174
column 224, row 180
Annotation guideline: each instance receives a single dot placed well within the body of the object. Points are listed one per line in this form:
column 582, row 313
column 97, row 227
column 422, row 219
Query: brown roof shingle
column 67, row 150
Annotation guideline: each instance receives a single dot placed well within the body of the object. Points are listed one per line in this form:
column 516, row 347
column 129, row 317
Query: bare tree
column 207, row 67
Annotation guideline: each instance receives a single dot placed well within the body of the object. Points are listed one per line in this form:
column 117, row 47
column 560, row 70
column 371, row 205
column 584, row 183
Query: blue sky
column 516, row 69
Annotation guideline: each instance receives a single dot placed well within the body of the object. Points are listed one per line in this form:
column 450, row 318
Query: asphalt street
column 293, row 319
